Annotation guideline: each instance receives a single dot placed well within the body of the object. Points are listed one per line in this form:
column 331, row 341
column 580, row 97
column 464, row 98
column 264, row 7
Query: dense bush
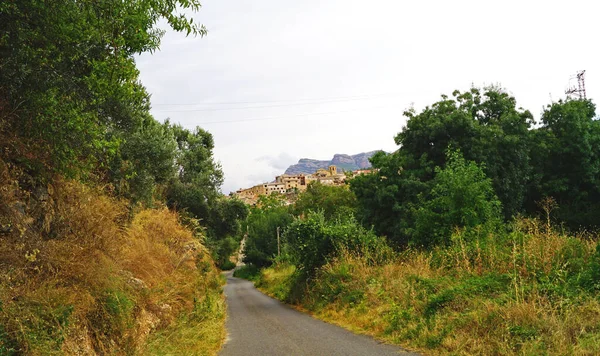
column 250, row 272
column 314, row 240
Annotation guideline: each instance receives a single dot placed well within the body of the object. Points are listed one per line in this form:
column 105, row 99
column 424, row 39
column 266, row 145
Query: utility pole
column 578, row 90
column 278, row 244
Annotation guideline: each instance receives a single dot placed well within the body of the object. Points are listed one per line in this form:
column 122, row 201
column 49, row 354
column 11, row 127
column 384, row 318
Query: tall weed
column 528, row 290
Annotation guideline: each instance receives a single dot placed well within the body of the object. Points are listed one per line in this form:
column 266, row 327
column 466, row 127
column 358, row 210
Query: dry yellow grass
column 78, row 276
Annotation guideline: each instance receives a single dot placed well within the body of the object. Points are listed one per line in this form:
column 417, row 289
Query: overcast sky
column 278, row 80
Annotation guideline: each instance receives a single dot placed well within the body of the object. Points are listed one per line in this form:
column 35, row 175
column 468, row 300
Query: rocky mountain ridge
column 341, row 161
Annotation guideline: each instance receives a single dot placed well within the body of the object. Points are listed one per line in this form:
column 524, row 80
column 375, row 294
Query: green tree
column 224, row 228
column 332, row 200
column 263, row 221
column 461, row 197
column 145, row 159
column 387, row 198
column 566, row 159
column 487, row 128
column 196, row 187
column 227, row 216
column 71, row 103
column 68, row 77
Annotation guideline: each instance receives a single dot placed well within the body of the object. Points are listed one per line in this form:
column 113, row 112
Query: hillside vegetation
column 477, row 236
column 80, row 276
column 111, row 222
column 533, row 291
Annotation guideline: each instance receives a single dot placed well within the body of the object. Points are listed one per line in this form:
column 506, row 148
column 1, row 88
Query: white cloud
column 280, row 162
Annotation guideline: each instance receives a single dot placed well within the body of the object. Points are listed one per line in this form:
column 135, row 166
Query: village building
column 329, row 176
column 289, row 183
column 275, row 187
column 292, row 182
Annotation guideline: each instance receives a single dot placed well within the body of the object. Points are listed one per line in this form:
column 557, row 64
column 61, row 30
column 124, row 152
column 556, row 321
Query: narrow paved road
column 262, row 326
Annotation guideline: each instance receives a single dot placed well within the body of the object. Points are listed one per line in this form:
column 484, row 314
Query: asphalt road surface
column 262, row 326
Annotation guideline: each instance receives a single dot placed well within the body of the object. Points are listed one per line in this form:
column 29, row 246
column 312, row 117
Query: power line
column 266, row 106
column 290, row 116
column 310, row 100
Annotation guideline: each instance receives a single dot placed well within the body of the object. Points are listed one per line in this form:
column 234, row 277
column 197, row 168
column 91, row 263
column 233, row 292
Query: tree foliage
column 224, row 228
column 68, row 76
column 559, row 158
column 261, row 244
column 144, row 160
column 566, row 162
column 331, row 199
column 461, row 197
column 198, row 179
column 388, row 198
column 486, row 127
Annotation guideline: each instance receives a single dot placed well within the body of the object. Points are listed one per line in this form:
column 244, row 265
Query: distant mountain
column 341, row 161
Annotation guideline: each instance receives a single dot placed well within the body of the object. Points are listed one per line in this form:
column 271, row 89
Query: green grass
column 249, row 272
column 199, row 333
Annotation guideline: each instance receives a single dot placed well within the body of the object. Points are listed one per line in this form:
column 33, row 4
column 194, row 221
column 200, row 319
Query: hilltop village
column 290, row 184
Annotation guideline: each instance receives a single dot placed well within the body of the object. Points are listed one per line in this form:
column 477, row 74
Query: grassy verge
column 532, row 292
column 200, row 332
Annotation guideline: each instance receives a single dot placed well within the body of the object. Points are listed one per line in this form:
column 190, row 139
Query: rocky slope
column 341, row 161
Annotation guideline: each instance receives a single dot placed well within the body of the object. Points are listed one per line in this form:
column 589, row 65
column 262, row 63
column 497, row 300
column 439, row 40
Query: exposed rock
column 137, row 283
column 341, row 161
column 78, row 342
column 146, row 323
column 362, row 159
column 165, row 308
column 192, row 246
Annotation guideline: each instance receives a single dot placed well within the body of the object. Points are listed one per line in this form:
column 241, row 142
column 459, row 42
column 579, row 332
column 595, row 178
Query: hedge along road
column 260, row 325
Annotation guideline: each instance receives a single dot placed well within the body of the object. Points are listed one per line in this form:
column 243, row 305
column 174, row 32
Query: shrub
column 282, row 282
column 314, row 240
